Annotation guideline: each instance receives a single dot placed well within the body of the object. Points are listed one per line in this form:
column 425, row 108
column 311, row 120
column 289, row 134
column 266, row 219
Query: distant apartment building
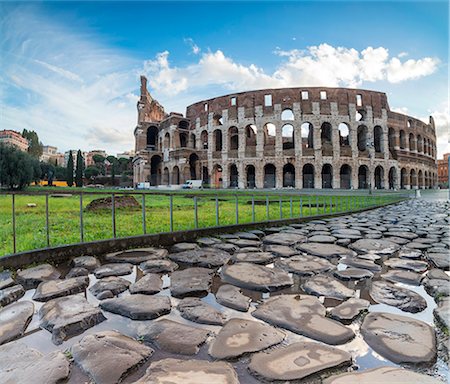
column 48, row 154
column 74, row 155
column 10, row 137
column 125, row 155
column 443, row 170
column 89, row 157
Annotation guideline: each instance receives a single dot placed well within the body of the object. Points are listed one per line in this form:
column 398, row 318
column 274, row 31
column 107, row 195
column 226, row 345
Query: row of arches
column 412, row 142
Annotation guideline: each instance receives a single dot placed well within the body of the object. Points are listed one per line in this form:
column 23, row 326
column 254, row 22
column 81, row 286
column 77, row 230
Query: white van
column 192, row 184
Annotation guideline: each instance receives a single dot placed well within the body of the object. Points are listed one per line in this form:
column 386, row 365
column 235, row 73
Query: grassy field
column 64, row 213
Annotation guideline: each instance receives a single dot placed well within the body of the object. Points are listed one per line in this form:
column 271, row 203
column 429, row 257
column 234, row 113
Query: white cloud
column 410, row 69
column 441, row 116
column 194, row 47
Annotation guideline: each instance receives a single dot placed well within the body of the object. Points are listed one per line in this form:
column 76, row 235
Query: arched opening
column 287, row 133
column 160, row 144
column 175, row 176
column 269, row 176
column 425, row 146
column 193, row 166
column 346, row 177
column 193, row 139
column 218, row 140
column 183, row 139
column 392, row 178
column 183, row 124
column 217, row 119
column 251, row 176
column 402, row 139
column 205, row 176
column 167, row 141
column 269, row 131
column 391, row 139
column 420, row 178
column 378, row 139
column 204, row 139
column 344, row 135
column 250, row 140
column 379, row 177
column 289, row 176
column 363, row 173
column 412, row 179
column 403, row 178
column 234, row 176
column 287, row 114
column 308, row 176
column 327, row 176
column 362, row 138
column 412, row 144
column 360, row 115
column 166, row 179
column 419, row 144
column 427, row 181
column 307, row 132
column 152, row 138
column 217, row 176
column 233, row 135
column 326, row 139
column 155, row 170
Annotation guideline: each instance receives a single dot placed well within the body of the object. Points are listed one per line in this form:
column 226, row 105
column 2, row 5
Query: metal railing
column 31, row 226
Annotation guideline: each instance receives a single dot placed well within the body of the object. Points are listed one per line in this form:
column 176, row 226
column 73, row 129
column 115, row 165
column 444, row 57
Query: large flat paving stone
column 349, row 310
column 14, row 319
column 379, row 246
column 181, row 247
column 353, row 274
column 284, row 238
column 204, row 257
column 304, row 265
column 174, row 337
column 11, row 294
column 400, row 339
column 110, row 285
column 297, row 361
column 402, row 276
column 402, row 298
column 305, row 315
column 196, row 310
column 232, row 297
column 327, row 251
column 158, row 266
column 388, row 375
column 87, row 262
column 138, row 306
column 404, row 234
column 52, row 289
column 442, row 311
column 262, row 258
column 22, row 364
column 6, row 280
column 148, row 284
column 321, row 285
column 409, row 265
column 69, row 316
column 280, row 250
column 256, row 277
column 112, row 269
column 31, row 277
column 136, row 256
column 439, row 260
column 194, row 281
column 239, row 336
column 189, row 372
column 108, row 356
column 363, row 263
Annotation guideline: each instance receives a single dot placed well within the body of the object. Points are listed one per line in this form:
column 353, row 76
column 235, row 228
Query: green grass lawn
column 64, row 213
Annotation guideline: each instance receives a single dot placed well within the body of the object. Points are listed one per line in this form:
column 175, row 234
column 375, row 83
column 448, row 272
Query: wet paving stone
column 14, row 319
column 147, row 285
column 327, row 251
column 87, row 262
column 158, row 266
column 321, row 285
column 57, row 288
column 191, row 282
column 196, row 310
column 136, row 256
column 205, row 257
column 138, row 306
column 232, row 297
column 11, row 294
column 110, row 285
column 349, row 310
column 304, row 265
column 119, row 269
column 31, row 277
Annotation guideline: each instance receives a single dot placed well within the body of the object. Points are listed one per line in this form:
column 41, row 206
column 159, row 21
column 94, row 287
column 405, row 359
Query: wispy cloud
column 194, row 47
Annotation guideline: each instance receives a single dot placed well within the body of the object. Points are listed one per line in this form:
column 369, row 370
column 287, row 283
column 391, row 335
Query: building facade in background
column 443, row 171
column 292, row 137
column 10, row 137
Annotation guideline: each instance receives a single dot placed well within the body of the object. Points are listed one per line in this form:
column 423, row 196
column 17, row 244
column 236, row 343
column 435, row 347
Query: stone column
column 317, row 175
column 242, row 176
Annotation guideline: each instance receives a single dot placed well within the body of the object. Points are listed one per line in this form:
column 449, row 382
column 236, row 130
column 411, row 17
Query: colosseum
column 312, row 137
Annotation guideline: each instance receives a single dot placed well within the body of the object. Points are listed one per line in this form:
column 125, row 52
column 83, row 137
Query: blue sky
column 70, row 70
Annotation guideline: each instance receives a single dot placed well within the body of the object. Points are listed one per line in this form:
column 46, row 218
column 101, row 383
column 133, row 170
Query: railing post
column 301, row 206
column 237, row 209
column 144, row 222
column 113, row 211
column 281, row 207
column 81, row 219
column 47, row 223
column 171, row 213
column 310, row 207
column 290, row 202
column 253, row 209
column 195, row 213
column 14, row 221
column 217, row 210
column 331, row 204
column 267, row 207
column 317, row 205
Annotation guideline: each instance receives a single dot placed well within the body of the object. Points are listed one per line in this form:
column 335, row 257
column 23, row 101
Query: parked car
column 192, row 184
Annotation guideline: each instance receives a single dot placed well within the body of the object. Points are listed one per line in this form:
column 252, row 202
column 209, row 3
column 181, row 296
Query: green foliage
column 79, row 170
column 91, row 172
column 69, row 173
column 35, row 146
column 98, row 159
column 17, row 168
column 60, row 173
column 37, row 171
column 47, row 172
column 112, row 159
column 113, row 174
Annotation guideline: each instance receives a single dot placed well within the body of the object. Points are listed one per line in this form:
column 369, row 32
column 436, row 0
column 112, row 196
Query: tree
column 91, row 172
column 79, row 170
column 99, row 161
column 48, row 172
column 60, row 173
column 37, row 172
column 35, row 146
column 69, row 174
column 113, row 174
column 16, row 168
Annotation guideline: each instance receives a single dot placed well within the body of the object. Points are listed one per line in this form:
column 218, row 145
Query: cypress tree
column 113, row 174
column 69, row 174
column 79, row 170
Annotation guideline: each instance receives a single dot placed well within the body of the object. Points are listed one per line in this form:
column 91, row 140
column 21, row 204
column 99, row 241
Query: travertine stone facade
column 290, row 137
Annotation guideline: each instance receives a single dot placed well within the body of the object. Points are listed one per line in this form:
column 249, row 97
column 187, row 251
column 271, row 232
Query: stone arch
column 287, row 114
column 166, row 176
column 155, row 170
column 251, row 176
column 391, row 139
column 420, row 181
column 269, row 131
column 167, row 140
column 307, row 132
column 419, row 144
column 362, row 138
column 194, row 166
column 233, row 137
column 378, row 139
column 250, row 140
column 413, row 178
column 234, row 176
column 175, row 175
column 217, row 140
column 327, row 176
column 287, row 134
column 363, row 177
column 152, row 137
column 308, row 176
column 193, row 140
column 403, row 178
column 216, row 176
column 183, row 139
column 205, row 176
column 379, row 177
column 392, row 178
column 183, row 124
column 289, row 175
column 344, row 139
column 402, row 139
column 326, row 139
column 411, row 142
column 204, row 139
column 269, row 176
column 346, row 177
column 217, row 119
